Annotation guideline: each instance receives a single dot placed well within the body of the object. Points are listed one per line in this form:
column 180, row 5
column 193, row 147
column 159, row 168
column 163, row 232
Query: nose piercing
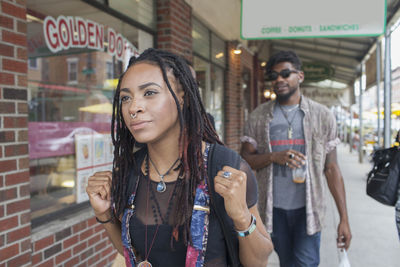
column 133, row 115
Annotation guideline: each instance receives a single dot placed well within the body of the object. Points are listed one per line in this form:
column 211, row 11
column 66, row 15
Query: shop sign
column 278, row 19
column 316, row 71
column 69, row 32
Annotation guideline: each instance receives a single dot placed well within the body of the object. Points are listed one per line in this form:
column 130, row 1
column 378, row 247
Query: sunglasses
column 273, row 75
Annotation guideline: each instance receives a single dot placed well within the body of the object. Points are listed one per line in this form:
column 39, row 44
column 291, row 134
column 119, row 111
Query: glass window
column 72, row 70
column 139, row 10
column 32, row 63
column 70, row 96
column 211, row 86
column 201, row 39
column 217, row 50
column 109, row 70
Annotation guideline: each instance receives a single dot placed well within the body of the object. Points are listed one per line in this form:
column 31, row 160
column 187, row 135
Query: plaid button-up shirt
column 320, row 138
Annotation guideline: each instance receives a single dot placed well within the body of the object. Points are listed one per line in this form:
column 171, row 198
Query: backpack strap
column 220, row 156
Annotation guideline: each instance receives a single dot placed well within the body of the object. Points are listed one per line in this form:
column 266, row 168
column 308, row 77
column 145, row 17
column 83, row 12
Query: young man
column 283, row 135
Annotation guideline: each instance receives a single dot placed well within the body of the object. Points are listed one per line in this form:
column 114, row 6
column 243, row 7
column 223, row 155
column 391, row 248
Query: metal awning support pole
column 378, row 90
column 360, row 116
column 351, row 128
column 387, row 91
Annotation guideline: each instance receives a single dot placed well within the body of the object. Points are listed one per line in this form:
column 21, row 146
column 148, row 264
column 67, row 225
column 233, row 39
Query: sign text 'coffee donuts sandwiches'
column 75, row 32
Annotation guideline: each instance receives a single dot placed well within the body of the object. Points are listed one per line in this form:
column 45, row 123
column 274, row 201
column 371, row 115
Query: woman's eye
column 149, row 93
column 124, row 98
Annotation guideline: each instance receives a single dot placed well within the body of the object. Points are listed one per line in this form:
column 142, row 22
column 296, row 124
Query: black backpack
column 218, row 157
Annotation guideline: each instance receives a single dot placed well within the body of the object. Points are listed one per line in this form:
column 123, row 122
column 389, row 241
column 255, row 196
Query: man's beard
column 285, row 97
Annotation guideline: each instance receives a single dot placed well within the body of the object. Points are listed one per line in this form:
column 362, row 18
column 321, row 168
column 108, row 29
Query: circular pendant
column 144, row 264
column 161, row 186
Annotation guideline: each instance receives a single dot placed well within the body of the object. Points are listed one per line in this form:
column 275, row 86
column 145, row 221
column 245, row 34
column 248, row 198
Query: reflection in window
column 70, row 104
column 72, row 70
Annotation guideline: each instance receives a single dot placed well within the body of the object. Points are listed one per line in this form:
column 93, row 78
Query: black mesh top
column 166, row 251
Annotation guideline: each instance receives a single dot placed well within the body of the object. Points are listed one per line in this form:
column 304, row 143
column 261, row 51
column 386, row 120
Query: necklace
column 161, row 187
column 285, row 114
column 146, row 263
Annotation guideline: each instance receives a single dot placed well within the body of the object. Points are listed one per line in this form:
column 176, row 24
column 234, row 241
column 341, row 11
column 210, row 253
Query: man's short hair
column 283, row 56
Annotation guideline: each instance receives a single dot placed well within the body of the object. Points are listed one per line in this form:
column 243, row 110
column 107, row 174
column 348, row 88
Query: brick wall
column 174, row 27
column 234, row 115
column 15, row 228
column 82, row 244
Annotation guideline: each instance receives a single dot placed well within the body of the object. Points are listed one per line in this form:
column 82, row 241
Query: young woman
column 156, row 205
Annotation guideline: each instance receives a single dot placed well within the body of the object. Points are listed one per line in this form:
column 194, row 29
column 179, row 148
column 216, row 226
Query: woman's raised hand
column 99, row 192
column 231, row 184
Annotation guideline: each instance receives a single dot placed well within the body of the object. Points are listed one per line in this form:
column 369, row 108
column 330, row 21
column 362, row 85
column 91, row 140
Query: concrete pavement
column 375, row 241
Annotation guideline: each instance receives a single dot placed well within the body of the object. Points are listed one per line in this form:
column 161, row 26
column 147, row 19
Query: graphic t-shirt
column 287, row 194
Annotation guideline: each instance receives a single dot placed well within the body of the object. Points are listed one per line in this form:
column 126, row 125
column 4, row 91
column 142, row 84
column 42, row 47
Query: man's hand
column 344, row 235
column 291, row 158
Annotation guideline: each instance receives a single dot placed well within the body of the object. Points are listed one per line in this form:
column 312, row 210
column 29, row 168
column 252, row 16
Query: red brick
column 79, row 227
column 93, row 260
column 7, row 137
column 86, row 234
column 6, row 22
column 93, row 240
column 92, row 221
column 36, row 258
column 43, row 243
column 6, row 50
column 25, row 218
column 79, row 248
column 22, row 107
column 13, row 10
column 1, row 211
column 8, row 194
column 15, row 122
column 7, row 78
column 63, row 256
column 9, row 252
column 49, row 263
column 73, row 262
column 21, row 260
column 18, row 206
column 70, row 241
column 17, row 178
column 16, row 66
column 23, row 163
column 21, row 2
column 16, row 150
column 8, row 165
column 7, row 107
column 22, row 53
column 26, row 245
column 14, row 38
column 23, row 136
column 18, row 234
column 107, row 251
column 8, row 223
column 21, row 26
column 22, row 81
column 24, row 191
column 100, row 246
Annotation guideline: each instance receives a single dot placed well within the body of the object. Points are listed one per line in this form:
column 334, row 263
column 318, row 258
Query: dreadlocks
column 195, row 128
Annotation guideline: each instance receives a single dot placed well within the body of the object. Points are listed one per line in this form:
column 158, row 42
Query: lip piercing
column 133, row 115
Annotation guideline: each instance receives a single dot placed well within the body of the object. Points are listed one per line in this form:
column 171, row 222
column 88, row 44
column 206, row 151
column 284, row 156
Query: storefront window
column 201, row 39
column 217, row 50
column 211, row 84
column 142, row 11
column 75, row 60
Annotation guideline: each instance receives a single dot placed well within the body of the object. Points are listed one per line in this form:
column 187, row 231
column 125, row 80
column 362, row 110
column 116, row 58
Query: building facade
column 59, row 64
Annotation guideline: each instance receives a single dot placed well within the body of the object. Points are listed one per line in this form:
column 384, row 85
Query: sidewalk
column 375, row 241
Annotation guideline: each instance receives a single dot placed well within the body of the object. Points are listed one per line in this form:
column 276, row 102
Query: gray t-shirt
column 287, row 194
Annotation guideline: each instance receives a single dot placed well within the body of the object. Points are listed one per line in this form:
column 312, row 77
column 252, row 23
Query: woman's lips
column 139, row 125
